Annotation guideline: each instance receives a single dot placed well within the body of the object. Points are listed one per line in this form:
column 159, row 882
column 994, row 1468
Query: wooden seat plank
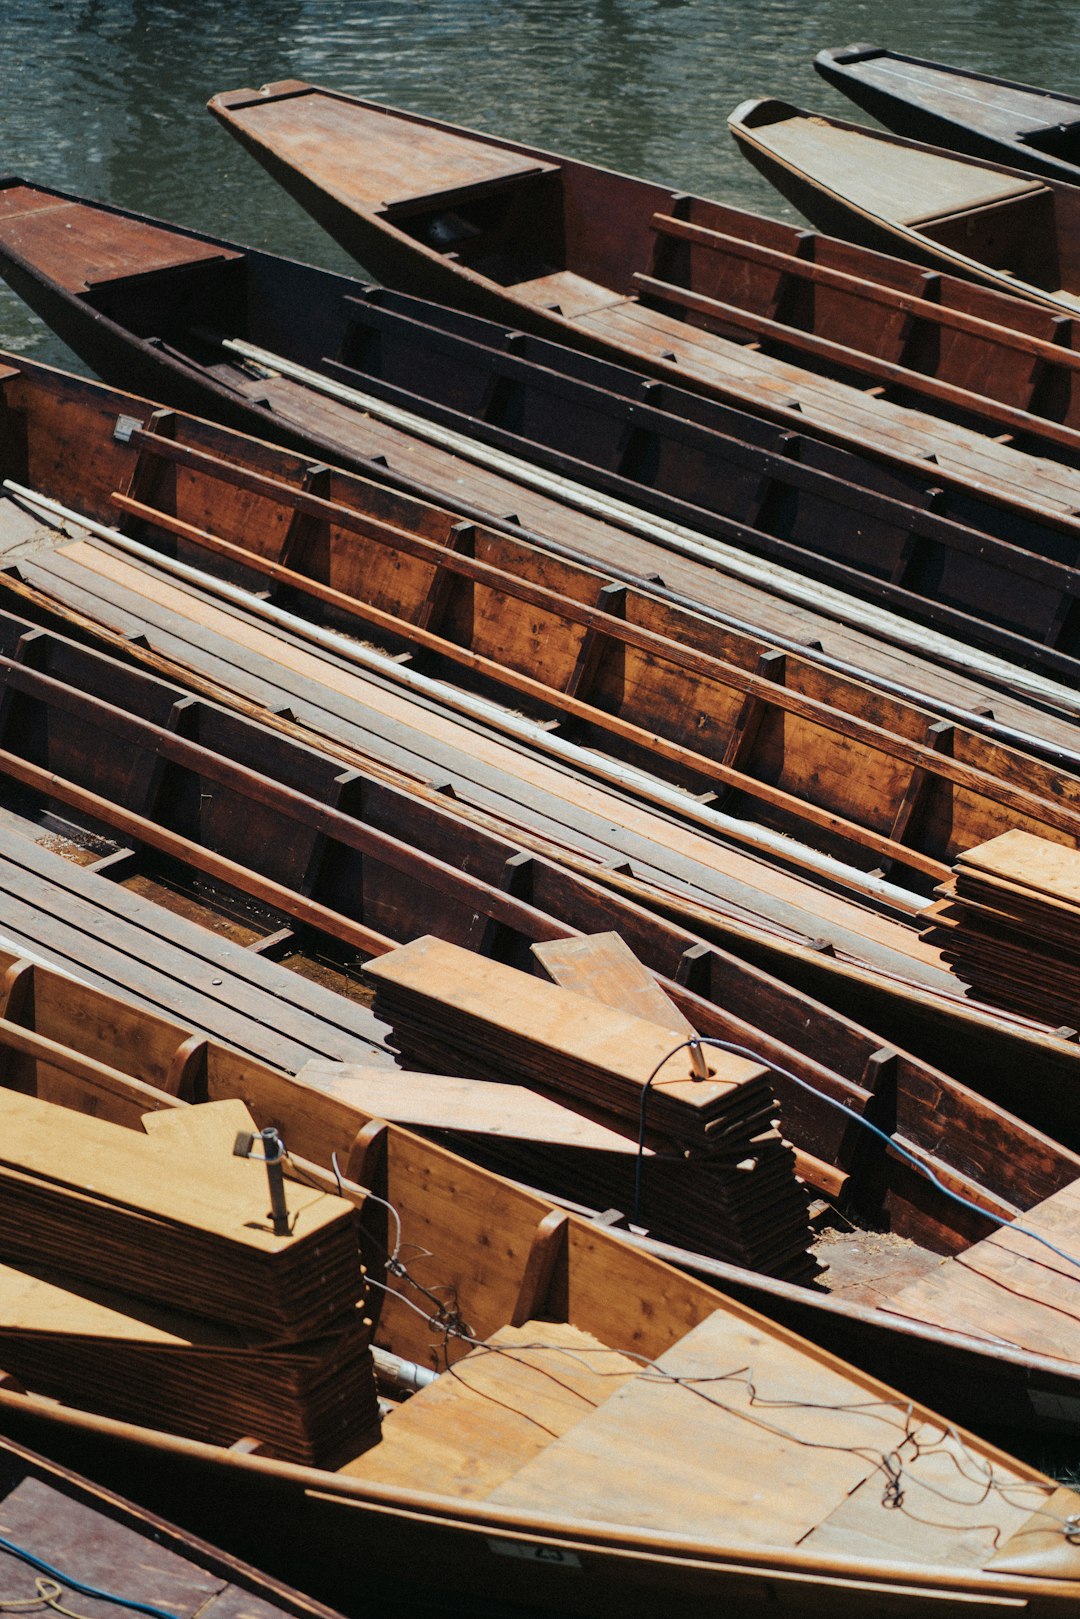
column 465, row 1106
column 603, row 967
column 47, row 230
column 405, row 162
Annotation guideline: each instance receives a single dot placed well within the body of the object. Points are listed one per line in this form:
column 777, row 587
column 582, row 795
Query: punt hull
column 992, row 562
column 1004, row 122
column 413, row 1548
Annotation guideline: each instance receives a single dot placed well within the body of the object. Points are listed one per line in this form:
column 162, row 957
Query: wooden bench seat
column 80, row 245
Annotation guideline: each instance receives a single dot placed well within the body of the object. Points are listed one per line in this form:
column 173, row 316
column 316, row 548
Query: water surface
column 107, row 97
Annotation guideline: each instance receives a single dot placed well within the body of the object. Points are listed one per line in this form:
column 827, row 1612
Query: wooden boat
column 565, row 1346
column 994, row 564
column 365, row 861
column 976, row 113
column 934, row 342
column 872, row 781
column 863, row 965
column 844, row 956
column 511, row 232
column 999, row 225
column 92, row 1544
column 989, row 1385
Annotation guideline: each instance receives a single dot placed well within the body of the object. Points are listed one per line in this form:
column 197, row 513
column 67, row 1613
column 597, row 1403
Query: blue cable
column 80, row 1585
column 901, row 1152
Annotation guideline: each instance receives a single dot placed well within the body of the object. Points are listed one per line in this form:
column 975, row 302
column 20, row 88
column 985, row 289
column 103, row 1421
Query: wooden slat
column 604, row 968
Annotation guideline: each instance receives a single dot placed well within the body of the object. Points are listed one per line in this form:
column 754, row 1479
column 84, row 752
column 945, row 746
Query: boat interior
column 1017, row 224
column 186, row 297
column 1005, row 111
column 569, row 1378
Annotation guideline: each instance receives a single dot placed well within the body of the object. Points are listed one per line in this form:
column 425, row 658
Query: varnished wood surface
column 1023, row 240
column 644, row 678
column 85, row 1530
column 406, row 256
column 969, row 112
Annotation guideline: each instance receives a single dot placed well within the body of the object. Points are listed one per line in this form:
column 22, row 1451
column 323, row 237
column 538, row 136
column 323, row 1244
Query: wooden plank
column 410, row 162
column 122, row 942
column 337, row 700
column 46, row 228
column 577, row 1029
column 604, row 968
column 1010, row 1285
column 465, row 1106
column 1021, row 857
column 738, row 1452
column 504, row 1403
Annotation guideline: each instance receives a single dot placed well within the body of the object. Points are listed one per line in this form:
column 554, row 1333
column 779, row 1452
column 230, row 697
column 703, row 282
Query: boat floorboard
column 837, row 407
column 362, row 712
column 719, row 589
column 115, row 940
column 74, row 1536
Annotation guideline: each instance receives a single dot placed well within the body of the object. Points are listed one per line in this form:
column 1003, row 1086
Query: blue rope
column 883, row 1135
column 80, row 1585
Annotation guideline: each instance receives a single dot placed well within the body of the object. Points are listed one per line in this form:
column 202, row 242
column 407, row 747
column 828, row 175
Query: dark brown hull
column 990, row 568
column 68, row 424
column 920, row 100
column 85, row 1530
column 1004, row 227
column 367, row 864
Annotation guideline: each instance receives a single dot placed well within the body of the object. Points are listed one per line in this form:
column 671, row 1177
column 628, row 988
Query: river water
column 107, row 97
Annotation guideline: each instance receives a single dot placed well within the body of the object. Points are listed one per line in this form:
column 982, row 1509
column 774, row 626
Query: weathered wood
column 977, row 600
column 605, row 969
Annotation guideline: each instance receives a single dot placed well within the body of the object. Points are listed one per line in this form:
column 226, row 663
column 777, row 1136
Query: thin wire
column 81, row 1585
column 890, row 1141
column 970, row 1467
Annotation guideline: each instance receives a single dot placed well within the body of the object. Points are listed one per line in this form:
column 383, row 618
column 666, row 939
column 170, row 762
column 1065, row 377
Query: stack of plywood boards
column 508, row 1128
column 1009, row 922
column 721, row 1179
column 142, row 1275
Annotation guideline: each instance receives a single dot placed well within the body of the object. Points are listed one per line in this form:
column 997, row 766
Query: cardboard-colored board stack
column 142, row 1277
column 721, row 1178
column 1008, row 921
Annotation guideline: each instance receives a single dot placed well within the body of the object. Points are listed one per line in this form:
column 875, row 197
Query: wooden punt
column 863, row 964
column 994, row 561
column 611, row 264
column 1002, row 226
column 981, row 573
column 776, row 739
column 347, row 854
column 99, row 1544
column 171, row 1036
column 565, row 1346
column 932, row 341
column 976, row 113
